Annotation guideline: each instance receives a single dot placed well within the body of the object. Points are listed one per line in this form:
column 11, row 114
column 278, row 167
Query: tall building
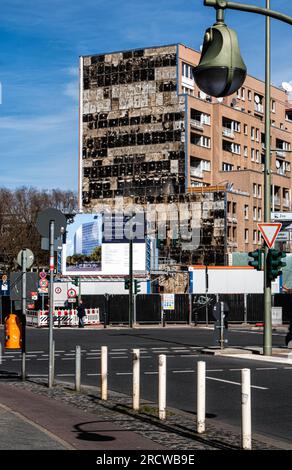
column 87, row 237
column 147, row 132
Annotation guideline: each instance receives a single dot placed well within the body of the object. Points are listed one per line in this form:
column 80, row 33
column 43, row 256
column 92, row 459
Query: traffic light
column 257, row 259
column 137, row 286
column 275, row 263
column 127, row 284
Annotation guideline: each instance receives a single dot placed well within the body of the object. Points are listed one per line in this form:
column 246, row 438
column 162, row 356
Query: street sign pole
column 51, row 303
column 131, row 282
column 23, row 323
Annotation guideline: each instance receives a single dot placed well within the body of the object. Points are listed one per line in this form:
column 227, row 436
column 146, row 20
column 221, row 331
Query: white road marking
column 267, row 368
column 121, row 357
column 89, row 375
column 68, row 358
column 216, row 370
column 65, row 375
column 124, row 373
column 235, row 383
column 91, row 354
column 37, row 375
column 45, row 359
column 182, row 371
column 115, row 349
column 189, row 355
column 150, row 373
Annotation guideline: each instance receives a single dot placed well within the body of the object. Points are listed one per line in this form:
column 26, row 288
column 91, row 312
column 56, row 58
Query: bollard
column 136, row 379
column 162, row 387
column 78, row 369
column 201, row 397
column 103, row 374
column 0, row 353
column 245, row 409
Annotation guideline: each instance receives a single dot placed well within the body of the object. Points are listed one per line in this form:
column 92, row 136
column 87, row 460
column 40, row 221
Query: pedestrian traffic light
column 257, row 259
column 275, row 263
column 137, row 286
column 127, row 284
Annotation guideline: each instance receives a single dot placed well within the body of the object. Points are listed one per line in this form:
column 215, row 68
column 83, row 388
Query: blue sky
column 41, row 41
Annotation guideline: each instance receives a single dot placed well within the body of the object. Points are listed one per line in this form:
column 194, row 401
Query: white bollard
column 78, row 369
column 103, row 373
column 245, row 409
column 162, row 387
column 136, row 379
column 201, row 397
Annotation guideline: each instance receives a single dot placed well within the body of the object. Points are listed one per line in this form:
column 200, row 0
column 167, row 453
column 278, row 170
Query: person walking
column 81, row 314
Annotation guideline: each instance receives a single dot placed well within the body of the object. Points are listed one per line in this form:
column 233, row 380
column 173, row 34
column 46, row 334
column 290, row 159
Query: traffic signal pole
column 131, row 283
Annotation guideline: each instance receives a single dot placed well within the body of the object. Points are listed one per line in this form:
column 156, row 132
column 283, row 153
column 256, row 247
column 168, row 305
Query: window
column 246, row 212
column 245, row 129
column 257, row 135
column 259, row 214
column 252, row 133
column 252, row 155
column 245, row 151
column 273, row 106
column 234, row 233
column 200, row 140
column 249, row 95
column 257, row 156
column 246, row 235
column 254, row 213
column 255, row 236
column 227, row 166
column 259, row 191
column 254, row 190
column 228, row 206
column 234, row 208
column 231, row 147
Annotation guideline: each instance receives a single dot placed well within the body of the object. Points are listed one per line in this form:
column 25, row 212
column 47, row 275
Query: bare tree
column 18, row 215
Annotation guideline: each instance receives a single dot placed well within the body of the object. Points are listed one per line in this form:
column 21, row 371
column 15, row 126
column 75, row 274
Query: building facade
column 148, row 133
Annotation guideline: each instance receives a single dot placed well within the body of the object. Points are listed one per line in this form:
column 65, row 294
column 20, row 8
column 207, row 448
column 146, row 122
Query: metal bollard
column 162, row 387
column 201, row 397
column 245, row 409
column 78, row 369
column 136, row 379
column 103, row 374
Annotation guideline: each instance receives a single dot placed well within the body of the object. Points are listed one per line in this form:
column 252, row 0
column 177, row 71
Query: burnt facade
column 132, row 126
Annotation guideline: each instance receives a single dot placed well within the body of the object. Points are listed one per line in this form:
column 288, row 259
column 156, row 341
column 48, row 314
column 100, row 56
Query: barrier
column 62, row 317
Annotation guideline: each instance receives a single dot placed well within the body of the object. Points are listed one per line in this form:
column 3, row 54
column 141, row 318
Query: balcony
column 196, row 172
column 196, row 124
column 228, row 132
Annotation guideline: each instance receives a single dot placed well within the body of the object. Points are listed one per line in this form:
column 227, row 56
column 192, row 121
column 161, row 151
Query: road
column 271, row 383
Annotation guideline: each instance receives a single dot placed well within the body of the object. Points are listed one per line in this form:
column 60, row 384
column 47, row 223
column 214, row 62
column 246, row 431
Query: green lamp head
column 221, row 70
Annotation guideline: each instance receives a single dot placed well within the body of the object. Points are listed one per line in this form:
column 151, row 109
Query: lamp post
column 221, row 56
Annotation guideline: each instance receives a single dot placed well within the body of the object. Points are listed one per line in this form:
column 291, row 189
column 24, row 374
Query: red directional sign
column 43, row 283
column 71, row 293
column 269, row 232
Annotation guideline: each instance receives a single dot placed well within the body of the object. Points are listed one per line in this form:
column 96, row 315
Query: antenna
column 287, row 86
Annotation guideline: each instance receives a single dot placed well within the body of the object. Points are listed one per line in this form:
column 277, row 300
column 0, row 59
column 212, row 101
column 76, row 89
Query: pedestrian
column 81, row 314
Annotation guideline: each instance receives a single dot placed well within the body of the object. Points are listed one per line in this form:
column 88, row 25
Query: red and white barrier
column 62, row 317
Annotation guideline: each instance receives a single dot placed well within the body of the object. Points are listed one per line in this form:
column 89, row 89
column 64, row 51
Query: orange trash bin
column 13, row 332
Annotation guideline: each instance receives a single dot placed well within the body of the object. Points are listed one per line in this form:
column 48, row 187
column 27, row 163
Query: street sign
column 34, row 296
column 282, row 237
column 4, row 288
column 43, row 290
column 281, row 215
column 43, row 283
column 269, row 232
column 58, row 290
column 72, row 300
column 71, row 293
column 43, row 275
column 29, row 258
column 43, row 222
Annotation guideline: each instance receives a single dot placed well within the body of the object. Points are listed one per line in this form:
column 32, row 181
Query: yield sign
column 270, row 231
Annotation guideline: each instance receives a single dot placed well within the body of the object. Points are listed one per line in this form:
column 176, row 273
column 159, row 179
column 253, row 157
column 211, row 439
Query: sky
column 41, row 41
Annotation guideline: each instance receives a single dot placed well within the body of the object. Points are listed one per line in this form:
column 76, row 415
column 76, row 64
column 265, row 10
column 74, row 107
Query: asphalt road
column 271, row 383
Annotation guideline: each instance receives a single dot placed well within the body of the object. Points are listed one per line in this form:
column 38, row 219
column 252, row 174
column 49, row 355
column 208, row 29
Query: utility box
column 277, row 316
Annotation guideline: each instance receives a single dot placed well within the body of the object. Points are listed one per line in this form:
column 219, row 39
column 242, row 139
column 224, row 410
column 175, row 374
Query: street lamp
column 221, row 72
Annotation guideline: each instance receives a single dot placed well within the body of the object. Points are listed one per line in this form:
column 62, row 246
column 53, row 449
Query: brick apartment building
column 147, row 132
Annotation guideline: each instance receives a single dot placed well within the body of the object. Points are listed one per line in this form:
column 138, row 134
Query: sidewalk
column 32, row 416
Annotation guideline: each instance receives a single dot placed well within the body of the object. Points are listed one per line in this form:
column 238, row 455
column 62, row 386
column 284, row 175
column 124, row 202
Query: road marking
column 42, row 359
column 68, row 358
column 115, row 349
column 267, row 368
column 91, row 354
column 37, row 375
column 233, row 370
column 60, row 351
column 124, row 373
column 182, row 371
column 289, row 368
column 34, row 352
column 65, row 375
column 145, row 357
column 121, row 357
column 89, row 358
column 189, row 355
column 235, row 383
column 150, row 373
column 217, row 370
column 89, row 375
column 160, row 349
